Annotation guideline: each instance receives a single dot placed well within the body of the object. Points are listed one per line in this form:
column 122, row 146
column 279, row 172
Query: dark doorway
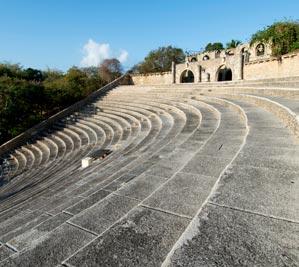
column 187, row 76
column 225, row 74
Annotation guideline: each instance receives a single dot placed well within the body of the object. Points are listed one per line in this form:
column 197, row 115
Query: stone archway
column 224, row 74
column 187, row 76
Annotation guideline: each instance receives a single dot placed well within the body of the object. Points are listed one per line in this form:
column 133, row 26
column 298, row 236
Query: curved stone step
column 243, row 210
column 172, row 147
column 144, row 212
column 21, row 159
column 134, row 174
column 53, row 147
column 38, row 154
column 69, row 143
column 287, row 116
column 45, row 150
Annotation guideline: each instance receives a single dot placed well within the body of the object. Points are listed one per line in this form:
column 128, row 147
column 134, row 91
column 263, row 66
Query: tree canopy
column 282, row 36
column 110, row 69
column 160, row 60
column 28, row 96
column 213, row 47
column 233, row 44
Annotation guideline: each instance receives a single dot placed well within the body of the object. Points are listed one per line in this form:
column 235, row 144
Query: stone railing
column 23, row 137
column 150, row 74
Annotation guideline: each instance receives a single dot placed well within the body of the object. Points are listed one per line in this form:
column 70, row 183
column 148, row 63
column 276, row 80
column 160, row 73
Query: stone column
column 241, row 73
column 173, row 71
column 199, row 73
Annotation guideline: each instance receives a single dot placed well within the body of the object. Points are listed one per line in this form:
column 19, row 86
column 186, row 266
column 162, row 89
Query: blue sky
column 62, row 33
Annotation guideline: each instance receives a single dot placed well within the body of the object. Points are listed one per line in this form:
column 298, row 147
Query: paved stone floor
column 196, row 177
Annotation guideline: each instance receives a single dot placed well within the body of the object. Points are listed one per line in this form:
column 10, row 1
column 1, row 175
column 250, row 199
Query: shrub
column 282, row 36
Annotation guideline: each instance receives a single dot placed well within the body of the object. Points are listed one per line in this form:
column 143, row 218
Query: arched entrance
column 187, row 76
column 224, row 74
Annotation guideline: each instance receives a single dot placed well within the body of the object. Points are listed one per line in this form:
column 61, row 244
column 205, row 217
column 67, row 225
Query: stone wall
column 245, row 62
column 288, row 66
column 152, row 78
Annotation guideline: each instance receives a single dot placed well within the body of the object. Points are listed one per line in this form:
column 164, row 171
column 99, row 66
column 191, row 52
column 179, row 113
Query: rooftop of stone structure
column 196, row 175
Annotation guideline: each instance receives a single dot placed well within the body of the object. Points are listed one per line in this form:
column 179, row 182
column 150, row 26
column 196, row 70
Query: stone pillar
column 173, row 71
column 241, row 73
column 199, row 73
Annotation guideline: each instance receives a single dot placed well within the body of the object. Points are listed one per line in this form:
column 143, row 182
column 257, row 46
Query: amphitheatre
column 193, row 167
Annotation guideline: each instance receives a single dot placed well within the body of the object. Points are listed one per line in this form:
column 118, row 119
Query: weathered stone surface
column 143, row 238
column 183, row 194
column 17, row 221
column 225, row 237
column 115, row 185
column 269, row 157
column 141, row 187
column 52, row 248
column 5, row 252
column 87, row 202
column 35, row 234
column 163, row 171
column 104, row 214
column 170, row 144
column 269, row 191
column 206, row 165
column 225, row 146
column 65, row 204
column 24, row 227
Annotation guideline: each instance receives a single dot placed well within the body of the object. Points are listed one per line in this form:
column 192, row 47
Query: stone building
column 244, row 62
column 224, row 65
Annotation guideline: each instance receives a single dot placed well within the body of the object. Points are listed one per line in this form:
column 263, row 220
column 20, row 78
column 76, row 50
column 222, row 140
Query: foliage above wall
column 283, row 37
column 213, row 47
column 233, row 44
column 160, row 60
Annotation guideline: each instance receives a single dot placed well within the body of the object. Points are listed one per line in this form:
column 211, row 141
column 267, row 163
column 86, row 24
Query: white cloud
column 123, row 56
column 94, row 53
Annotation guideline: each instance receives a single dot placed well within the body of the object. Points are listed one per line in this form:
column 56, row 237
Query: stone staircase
column 199, row 175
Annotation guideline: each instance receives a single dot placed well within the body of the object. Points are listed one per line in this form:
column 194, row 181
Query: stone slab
column 141, row 187
column 201, row 135
column 87, row 202
column 144, row 166
column 223, row 145
column 17, row 221
column 118, row 183
column 143, row 238
column 225, row 237
column 183, row 194
column 268, row 191
column 5, row 252
column 163, row 171
column 29, row 237
column 65, row 204
column 24, row 227
column 104, row 214
column 269, row 157
column 206, row 165
column 52, row 248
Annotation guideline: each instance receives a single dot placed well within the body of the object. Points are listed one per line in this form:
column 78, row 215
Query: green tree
column 22, row 106
column 160, row 60
column 33, row 75
column 28, row 96
column 233, row 44
column 110, row 69
column 11, row 70
column 283, row 37
column 213, row 47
